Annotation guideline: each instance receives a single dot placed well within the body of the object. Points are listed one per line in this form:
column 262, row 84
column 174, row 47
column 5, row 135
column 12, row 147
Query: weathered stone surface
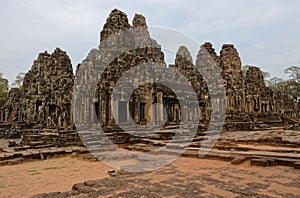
column 12, row 161
column 10, row 157
column 259, row 162
column 239, row 160
column 13, row 102
column 185, row 65
column 144, row 50
column 116, row 22
column 231, row 65
column 297, row 165
column 53, row 138
column 45, row 98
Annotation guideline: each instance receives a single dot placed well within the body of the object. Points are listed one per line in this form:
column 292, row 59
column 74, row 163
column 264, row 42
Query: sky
column 266, row 33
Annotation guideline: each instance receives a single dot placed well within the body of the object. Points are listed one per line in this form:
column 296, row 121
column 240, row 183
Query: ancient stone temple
column 45, row 98
column 140, row 106
column 248, row 100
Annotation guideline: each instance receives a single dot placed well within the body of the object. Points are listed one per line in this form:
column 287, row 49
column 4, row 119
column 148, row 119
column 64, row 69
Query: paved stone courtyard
column 191, row 177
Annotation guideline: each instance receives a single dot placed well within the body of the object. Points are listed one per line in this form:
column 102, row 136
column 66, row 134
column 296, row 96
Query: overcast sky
column 265, row 32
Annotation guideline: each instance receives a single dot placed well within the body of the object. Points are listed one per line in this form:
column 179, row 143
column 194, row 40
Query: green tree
column 3, row 90
column 294, row 73
column 290, row 86
column 275, row 83
column 293, row 84
column 19, row 80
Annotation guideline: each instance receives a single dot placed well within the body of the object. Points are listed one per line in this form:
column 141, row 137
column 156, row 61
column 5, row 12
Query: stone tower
column 45, row 99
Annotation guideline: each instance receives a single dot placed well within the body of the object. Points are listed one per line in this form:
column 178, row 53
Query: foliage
column 3, row 90
column 275, row 83
column 294, row 72
column 290, row 86
column 19, row 80
column 293, row 84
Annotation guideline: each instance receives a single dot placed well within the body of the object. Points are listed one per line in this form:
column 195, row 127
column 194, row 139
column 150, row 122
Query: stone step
column 273, row 158
column 41, row 153
column 44, row 146
column 262, row 162
column 12, row 161
column 33, row 144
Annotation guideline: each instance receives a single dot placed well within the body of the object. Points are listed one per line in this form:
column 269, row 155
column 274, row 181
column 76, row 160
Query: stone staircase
column 262, row 146
column 36, row 138
column 40, row 144
column 267, row 147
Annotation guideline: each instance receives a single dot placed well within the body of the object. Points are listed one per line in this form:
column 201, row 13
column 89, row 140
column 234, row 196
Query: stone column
column 136, row 115
column 127, row 110
column 160, row 112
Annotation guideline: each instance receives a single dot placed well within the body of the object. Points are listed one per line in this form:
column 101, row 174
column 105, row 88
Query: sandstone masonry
column 46, row 98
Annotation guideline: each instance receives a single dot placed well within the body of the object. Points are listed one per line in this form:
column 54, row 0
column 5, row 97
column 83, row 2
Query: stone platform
column 264, row 148
column 39, row 144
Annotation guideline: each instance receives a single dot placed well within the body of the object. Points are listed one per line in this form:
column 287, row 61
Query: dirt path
column 57, row 174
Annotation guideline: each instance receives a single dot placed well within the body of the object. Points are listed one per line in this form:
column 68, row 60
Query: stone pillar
column 185, row 114
column 149, row 107
column 128, row 113
column 136, row 111
column 160, row 110
column 115, row 110
column 176, row 112
column 109, row 111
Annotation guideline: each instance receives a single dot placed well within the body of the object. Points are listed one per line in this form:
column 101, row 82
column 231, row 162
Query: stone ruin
column 40, row 111
column 45, row 100
column 38, row 119
column 249, row 102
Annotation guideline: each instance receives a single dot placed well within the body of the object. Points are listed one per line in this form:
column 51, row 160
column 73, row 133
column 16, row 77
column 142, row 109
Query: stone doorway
column 142, row 111
column 122, row 109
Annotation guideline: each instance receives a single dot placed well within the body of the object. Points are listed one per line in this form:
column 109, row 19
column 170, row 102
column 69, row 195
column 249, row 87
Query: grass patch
column 36, row 173
column 53, row 168
column 32, row 171
column 2, row 185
